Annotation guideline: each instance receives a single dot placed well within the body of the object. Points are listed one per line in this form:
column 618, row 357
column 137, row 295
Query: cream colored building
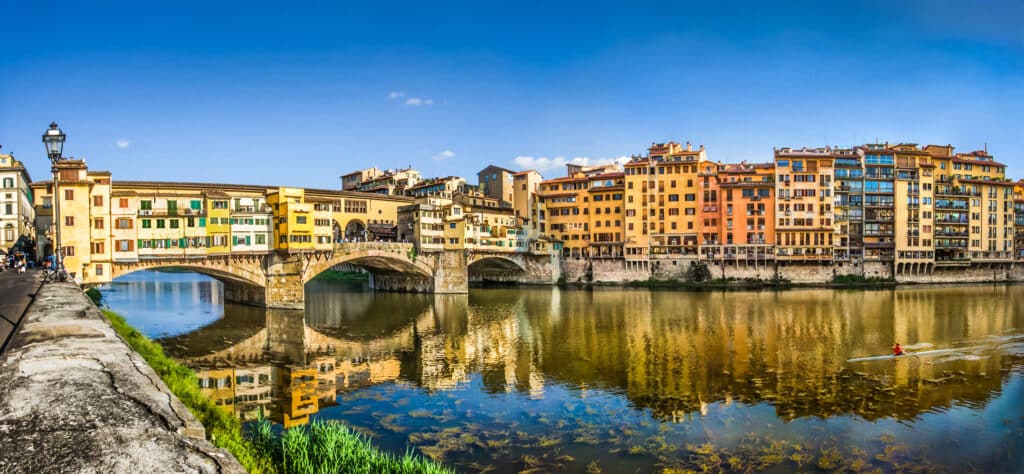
column 16, row 210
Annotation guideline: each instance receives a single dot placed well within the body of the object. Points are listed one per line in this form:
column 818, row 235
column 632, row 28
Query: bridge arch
column 379, row 258
column 245, row 271
column 495, row 262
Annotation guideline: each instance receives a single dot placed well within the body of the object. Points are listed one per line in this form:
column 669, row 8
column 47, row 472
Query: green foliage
column 320, row 448
column 698, row 272
column 94, row 295
column 222, row 428
column 779, row 280
column 330, row 447
column 412, row 253
column 859, row 280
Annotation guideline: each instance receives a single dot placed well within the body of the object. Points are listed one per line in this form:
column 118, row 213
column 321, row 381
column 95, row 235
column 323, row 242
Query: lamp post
column 53, row 138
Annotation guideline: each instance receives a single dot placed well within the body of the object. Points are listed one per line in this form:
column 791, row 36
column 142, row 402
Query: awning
column 389, row 230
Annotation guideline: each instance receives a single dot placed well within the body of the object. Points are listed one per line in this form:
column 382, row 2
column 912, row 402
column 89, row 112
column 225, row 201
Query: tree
column 698, row 272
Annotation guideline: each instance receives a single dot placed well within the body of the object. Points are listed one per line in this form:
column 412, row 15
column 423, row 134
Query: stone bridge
column 277, row 279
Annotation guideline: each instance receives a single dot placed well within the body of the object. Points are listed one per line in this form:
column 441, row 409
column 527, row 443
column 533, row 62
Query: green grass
column 319, row 448
column 330, row 447
column 222, row 429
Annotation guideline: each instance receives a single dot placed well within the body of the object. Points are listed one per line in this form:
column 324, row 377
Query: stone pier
column 76, row 398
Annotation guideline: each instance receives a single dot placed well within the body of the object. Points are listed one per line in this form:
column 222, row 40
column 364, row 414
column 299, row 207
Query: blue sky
column 257, row 92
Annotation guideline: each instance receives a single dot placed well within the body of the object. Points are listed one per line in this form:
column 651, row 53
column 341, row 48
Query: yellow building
column 83, row 232
column 524, row 186
column 914, row 209
column 1018, row 208
column 293, row 226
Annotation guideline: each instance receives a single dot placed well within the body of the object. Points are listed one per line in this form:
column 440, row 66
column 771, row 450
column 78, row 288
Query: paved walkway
column 75, row 398
column 16, row 292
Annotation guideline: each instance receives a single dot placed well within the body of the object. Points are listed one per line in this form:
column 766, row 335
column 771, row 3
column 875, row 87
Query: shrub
column 698, row 272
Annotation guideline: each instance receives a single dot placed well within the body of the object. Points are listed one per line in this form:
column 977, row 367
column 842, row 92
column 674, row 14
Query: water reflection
column 543, row 379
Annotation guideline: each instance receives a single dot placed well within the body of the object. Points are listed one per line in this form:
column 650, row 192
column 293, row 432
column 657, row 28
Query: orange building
column 605, row 196
column 738, row 212
column 562, row 214
column 803, row 231
column 662, row 197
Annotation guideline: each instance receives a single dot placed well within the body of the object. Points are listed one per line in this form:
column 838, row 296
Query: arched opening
column 355, row 231
column 220, row 286
column 495, row 270
column 383, row 271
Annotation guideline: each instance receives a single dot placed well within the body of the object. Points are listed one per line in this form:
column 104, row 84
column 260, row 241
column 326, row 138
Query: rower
column 897, row 350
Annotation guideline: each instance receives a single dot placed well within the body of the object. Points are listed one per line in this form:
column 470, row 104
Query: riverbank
column 327, row 446
column 76, row 398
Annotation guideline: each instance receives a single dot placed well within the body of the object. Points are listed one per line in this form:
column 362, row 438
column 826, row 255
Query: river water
column 618, row 380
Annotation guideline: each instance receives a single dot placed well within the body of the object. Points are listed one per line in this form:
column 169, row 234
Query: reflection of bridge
column 277, row 280
column 786, row 349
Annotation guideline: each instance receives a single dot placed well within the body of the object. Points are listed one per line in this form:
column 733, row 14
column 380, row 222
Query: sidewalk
column 16, row 292
column 75, row 398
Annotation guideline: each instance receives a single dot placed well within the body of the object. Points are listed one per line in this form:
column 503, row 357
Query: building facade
column 17, row 213
column 497, row 182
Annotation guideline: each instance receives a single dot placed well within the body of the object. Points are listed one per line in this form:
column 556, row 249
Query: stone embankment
column 75, row 398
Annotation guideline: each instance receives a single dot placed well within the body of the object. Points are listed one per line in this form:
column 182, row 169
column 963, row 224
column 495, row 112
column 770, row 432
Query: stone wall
column 973, row 274
column 579, row 270
column 76, row 398
column 451, row 272
column 285, row 286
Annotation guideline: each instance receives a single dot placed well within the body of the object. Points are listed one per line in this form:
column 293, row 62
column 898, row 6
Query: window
column 146, row 205
column 261, row 239
column 300, row 219
column 174, row 223
column 97, row 247
column 69, row 194
column 147, row 223
column 68, row 251
column 122, row 203
column 97, row 201
column 195, row 205
column 69, row 221
column 161, row 223
column 8, row 182
column 97, row 223
column 99, row 270
column 124, row 245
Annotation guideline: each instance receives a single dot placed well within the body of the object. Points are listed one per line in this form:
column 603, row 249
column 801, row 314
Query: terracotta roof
column 958, row 159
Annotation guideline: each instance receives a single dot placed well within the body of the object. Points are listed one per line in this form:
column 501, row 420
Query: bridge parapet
column 403, row 248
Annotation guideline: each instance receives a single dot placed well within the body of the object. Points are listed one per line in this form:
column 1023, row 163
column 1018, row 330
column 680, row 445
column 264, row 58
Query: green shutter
column 202, row 222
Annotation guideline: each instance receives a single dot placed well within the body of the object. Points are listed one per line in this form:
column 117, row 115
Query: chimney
column 689, row 147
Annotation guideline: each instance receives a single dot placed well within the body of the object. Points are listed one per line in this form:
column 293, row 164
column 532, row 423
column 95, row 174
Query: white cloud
column 410, row 101
column 123, row 143
column 417, row 101
column 444, row 155
column 543, row 163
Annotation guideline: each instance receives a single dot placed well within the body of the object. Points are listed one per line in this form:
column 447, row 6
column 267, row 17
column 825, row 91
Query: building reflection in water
column 672, row 353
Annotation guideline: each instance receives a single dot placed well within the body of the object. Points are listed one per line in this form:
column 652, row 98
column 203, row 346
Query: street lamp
column 53, row 138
